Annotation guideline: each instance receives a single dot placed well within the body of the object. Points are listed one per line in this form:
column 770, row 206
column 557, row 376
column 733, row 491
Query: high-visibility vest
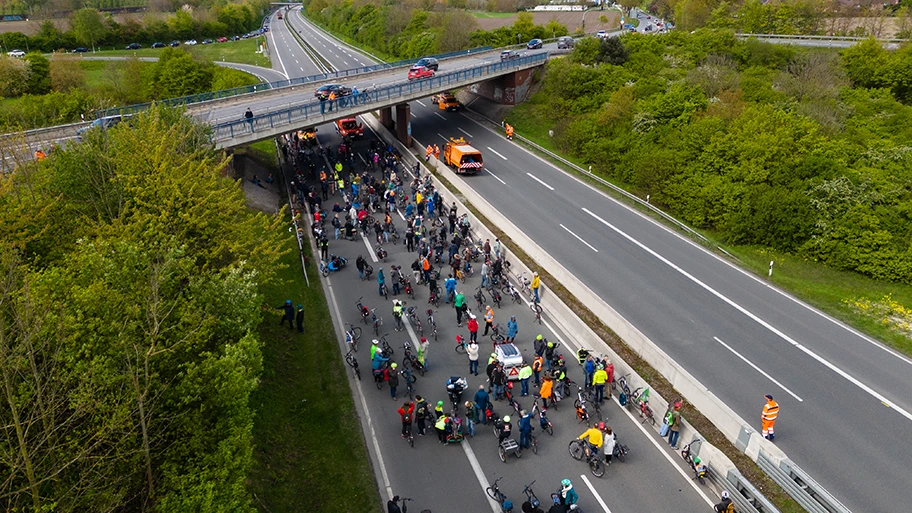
column 489, row 315
column 770, row 411
column 425, row 264
column 537, row 364
column 430, row 150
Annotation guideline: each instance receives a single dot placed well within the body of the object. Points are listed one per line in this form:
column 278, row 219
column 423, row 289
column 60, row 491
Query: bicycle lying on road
column 493, row 491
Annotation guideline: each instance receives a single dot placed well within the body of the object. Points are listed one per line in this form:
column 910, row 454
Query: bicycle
column 537, row 310
column 411, row 359
column 410, row 380
column 432, row 324
column 413, row 318
column 460, row 275
column 384, row 346
column 699, row 469
column 543, row 420
column 525, row 284
column 621, row 384
column 461, row 344
column 378, row 321
column 386, row 292
column 530, row 495
column 352, row 335
column 533, row 443
column 620, row 451
column 368, row 271
column 480, row 298
column 511, row 291
column 493, row 491
column 578, row 449
column 498, row 337
column 582, row 413
column 353, row 363
column 363, row 310
column 496, row 298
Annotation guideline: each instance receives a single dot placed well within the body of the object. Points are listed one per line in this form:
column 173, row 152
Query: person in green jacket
column 440, row 426
column 598, row 380
column 460, row 305
column 525, row 372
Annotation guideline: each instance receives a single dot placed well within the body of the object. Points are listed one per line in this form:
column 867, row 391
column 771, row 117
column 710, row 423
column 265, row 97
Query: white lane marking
column 421, row 103
column 539, row 180
column 296, row 62
column 758, row 369
column 886, row 402
column 494, row 151
column 578, row 238
column 400, row 213
column 597, row 496
column 369, row 248
column 495, row 176
column 439, row 116
column 463, row 131
column 346, row 62
column 442, row 137
column 479, row 474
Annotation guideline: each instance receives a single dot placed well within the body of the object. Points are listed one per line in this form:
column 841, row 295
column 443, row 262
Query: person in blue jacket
column 289, row 314
column 409, row 209
column 512, row 329
column 481, row 404
column 378, row 360
column 525, row 429
column 450, row 285
column 380, row 280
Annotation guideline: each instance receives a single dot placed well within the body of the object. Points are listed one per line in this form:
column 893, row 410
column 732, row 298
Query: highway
column 652, row 477
column 845, row 398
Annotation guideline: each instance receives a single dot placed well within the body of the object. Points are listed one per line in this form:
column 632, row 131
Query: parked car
column 534, row 44
column 134, row 46
column 339, row 89
column 565, row 42
column 16, row 53
column 601, row 34
column 158, row 45
column 223, row 40
column 509, row 54
column 207, row 41
column 628, row 26
column 419, row 72
column 174, row 44
column 235, row 38
column 81, row 49
column 190, row 42
column 429, row 63
column 512, row 359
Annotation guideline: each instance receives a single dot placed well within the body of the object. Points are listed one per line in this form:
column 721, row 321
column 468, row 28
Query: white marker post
column 771, row 269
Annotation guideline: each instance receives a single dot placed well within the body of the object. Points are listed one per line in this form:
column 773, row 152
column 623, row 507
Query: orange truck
column 462, row 156
column 446, row 101
column 348, row 127
column 308, row 134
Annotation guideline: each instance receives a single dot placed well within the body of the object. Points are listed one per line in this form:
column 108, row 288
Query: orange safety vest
column 770, row 411
column 426, row 265
column 430, row 150
column 436, row 151
column 332, row 96
column 537, row 364
column 489, row 315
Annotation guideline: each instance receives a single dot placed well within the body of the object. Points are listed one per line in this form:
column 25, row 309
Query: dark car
column 174, row 44
column 429, row 63
column 100, row 123
column 508, row 54
column 235, row 38
column 339, row 89
column 158, row 45
column 207, row 41
column 534, row 44
column 81, row 49
column 134, row 46
column 565, row 42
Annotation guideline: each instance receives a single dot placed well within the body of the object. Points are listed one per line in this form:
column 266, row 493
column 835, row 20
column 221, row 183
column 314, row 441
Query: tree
column 13, row 77
column 179, row 75
column 89, row 27
column 456, row 31
column 524, row 25
column 612, row 51
column 865, row 63
column 629, row 4
column 66, row 73
column 39, row 74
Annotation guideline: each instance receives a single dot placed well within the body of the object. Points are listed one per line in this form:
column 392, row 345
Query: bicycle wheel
column 358, row 373
column 357, row 332
column 576, row 450
column 596, row 467
column 492, row 493
column 621, row 453
column 502, row 453
column 324, row 271
column 534, row 445
column 498, row 339
column 536, row 308
column 550, row 429
column 461, row 349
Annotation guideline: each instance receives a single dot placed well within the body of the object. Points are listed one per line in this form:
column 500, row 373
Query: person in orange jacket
column 546, row 389
column 428, row 152
column 768, row 417
column 437, row 152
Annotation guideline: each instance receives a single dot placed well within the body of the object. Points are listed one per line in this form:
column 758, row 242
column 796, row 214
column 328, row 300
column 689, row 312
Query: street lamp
column 518, row 39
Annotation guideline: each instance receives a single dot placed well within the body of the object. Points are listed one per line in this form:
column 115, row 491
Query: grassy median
column 241, row 52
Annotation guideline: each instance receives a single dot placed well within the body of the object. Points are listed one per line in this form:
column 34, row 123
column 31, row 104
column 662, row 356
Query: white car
column 512, row 359
column 16, row 53
column 601, row 34
column 190, row 42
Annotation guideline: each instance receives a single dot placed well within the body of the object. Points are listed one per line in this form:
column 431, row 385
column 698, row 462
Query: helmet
column 375, row 342
column 538, row 337
column 423, row 339
column 697, row 460
column 493, row 355
column 601, row 425
column 565, row 482
column 394, row 365
column 550, row 344
column 724, row 494
column 287, row 301
column 600, row 367
column 506, row 418
column 439, row 403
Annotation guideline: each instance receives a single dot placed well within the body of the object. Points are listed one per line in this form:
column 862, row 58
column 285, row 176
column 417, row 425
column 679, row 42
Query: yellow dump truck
column 462, row 156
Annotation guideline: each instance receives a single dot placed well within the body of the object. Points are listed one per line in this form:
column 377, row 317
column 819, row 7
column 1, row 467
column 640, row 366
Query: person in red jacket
column 473, row 328
column 407, row 413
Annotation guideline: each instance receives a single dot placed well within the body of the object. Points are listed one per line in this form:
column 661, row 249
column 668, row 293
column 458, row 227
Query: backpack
column 407, row 417
column 730, row 508
column 422, row 411
column 622, row 399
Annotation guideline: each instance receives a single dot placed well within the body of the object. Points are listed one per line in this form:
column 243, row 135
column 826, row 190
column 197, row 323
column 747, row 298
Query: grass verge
column 241, row 52
column 310, row 454
column 748, row 468
column 485, row 14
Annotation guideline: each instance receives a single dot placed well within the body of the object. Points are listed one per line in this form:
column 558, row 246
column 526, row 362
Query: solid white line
column 886, row 402
column 421, row 103
column 495, row 176
column 579, row 238
column 368, row 244
column 758, row 369
column 278, row 54
column 494, row 151
column 597, row 496
column 479, row 474
column 537, row 179
column 463, row 131
column 439, row 116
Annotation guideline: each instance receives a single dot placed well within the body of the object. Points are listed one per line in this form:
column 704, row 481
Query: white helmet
column 724, row 494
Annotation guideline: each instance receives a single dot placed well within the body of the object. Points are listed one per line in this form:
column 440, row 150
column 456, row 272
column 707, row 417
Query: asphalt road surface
column 845, row 398
column 452, row 478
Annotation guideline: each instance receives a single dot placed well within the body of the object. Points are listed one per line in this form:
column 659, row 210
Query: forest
column 801, row 150
column 130, row 292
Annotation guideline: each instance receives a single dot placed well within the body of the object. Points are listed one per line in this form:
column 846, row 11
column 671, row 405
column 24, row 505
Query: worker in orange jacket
column 768, row 417
column 437, row 152
column 428, row 152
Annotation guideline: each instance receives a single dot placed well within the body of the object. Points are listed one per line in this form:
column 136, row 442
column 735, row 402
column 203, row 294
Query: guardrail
column 227, row 93
column 301, row 113
column 820, row 38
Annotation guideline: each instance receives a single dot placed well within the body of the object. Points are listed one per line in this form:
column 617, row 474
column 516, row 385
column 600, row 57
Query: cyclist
column 505, row 429
column 455, row 386
column 568, row 495
column 406, row 412
column 594, row 439
column 397, row 313
column 375, row 346
column 609, row 444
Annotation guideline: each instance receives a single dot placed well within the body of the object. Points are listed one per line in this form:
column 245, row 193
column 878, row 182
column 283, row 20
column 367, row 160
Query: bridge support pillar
column 386, row 117
column 404, row 124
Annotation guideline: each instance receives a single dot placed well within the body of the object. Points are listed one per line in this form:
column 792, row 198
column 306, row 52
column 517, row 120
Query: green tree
column 66, row 73
column 456, row 31
column 13, row 76
column 178, row 74
column 89, row 27
column 612, row 51
column 865, row 63
column 39, row 74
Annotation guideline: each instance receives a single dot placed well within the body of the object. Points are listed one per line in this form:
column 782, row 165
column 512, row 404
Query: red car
column 223, row 40
column 419, row 72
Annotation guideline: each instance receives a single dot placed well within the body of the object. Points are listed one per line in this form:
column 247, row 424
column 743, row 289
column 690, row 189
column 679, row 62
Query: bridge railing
column 299, row 114
column 322, row 77
column 820, row 38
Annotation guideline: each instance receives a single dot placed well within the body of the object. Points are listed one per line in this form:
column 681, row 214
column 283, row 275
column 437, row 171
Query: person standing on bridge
column 249, row 117
column 768, row 417
column 355, row 95
column 332, row 100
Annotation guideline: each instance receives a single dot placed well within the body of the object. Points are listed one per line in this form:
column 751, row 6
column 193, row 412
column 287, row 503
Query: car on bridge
column 565, row 43
column 446, row 101
column 102, row 123
column 429, row 63
column 509, row 54
column 419, row 72
column 349, row 127
column 534, row 44
column 326, row 89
